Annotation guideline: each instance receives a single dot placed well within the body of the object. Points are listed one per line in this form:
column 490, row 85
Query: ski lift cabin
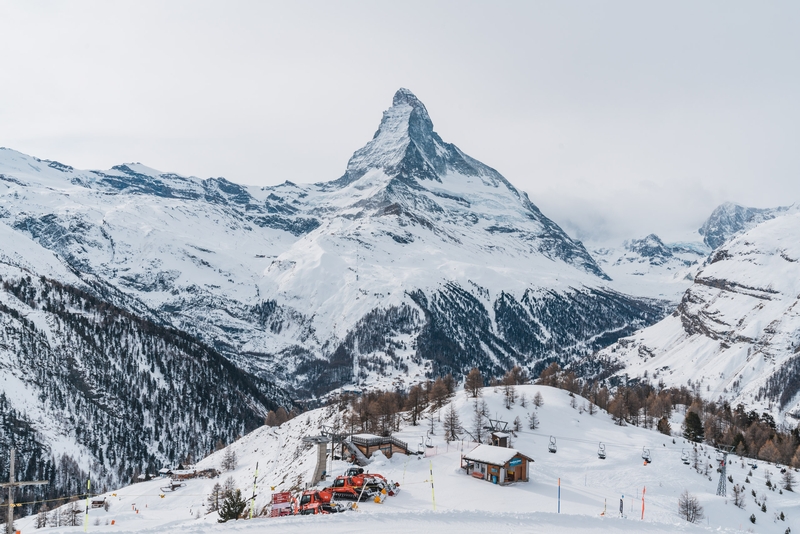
column 500, row 439
column 498, row 465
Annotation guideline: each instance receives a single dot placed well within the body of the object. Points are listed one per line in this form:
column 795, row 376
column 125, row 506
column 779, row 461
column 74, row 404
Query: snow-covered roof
column 500, row 434
column 366, row 436
column 489, row 454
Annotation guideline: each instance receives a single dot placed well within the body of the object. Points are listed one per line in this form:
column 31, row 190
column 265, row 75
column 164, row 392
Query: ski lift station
column 499, row 465
column 369, row 443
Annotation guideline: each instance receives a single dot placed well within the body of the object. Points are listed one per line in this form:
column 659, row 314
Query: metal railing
column 377, row 441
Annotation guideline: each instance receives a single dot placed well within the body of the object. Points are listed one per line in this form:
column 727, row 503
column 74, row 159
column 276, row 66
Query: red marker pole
column 643, row 490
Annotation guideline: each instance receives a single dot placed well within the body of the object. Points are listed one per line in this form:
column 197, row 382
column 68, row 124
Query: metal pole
column 86, row 517
column 433, row 495
column 10, row 519
column 11, row 484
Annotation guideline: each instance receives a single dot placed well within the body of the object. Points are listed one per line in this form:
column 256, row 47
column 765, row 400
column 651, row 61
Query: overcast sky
column 618, row 118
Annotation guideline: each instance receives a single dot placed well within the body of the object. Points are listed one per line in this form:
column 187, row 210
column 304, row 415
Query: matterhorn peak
column 404, row 144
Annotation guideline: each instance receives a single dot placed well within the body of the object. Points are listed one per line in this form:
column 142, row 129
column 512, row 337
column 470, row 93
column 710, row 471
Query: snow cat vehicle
column 345, row 489
column 367, row 486
column 314, row 502
column 377, row 481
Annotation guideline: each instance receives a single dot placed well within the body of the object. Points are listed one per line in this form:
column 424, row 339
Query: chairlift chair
column 429, row 442
column 646, row 455
column 685, row 456
column 552, row 446
column 601, row 451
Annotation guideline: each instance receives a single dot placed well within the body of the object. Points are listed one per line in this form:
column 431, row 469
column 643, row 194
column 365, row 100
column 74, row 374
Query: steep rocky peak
column 728, row 219
column 649, row 247
column 404, row 143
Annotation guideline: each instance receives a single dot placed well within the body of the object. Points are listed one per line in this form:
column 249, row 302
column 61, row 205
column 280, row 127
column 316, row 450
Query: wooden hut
column 499, row 465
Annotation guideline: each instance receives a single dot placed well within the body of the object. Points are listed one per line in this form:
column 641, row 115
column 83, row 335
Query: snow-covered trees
column 738, row 495
column 689, row 508
column 787, row 481
column 228, row 460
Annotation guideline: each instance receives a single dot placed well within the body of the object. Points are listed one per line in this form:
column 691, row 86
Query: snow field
column 464, row 504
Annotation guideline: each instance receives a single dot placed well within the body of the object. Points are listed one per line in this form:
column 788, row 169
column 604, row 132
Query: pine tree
column 415, row 403
column 788, row 480
column 215, row 498
column 452, row 424
column 232, row 507
column 477, row 422
column 738, row 495
column 228, row 460
column 689, row 508
column 533, row 421
column 693, row 427
column 474, row 383
column 538, row 401
column 663, row 426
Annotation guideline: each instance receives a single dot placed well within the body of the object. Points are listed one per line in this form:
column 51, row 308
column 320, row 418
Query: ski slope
column 464, row 504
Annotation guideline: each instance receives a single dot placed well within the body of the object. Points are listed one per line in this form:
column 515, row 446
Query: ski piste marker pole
column 559, row 495
column 86, row 517
column 643, row 490
column 253, row 500
column 433, row 495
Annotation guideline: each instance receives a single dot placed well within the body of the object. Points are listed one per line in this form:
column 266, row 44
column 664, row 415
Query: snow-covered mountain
column 729, row 219
column 419, row 259
column 736, row 332
column 86, row 385
column 649, row 267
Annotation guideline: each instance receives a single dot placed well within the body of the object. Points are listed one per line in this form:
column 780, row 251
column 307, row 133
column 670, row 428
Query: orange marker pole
column 643, row 490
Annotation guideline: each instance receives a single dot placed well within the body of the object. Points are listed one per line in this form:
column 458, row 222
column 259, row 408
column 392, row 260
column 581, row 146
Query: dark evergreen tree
column 232, row 507
column 693, row 427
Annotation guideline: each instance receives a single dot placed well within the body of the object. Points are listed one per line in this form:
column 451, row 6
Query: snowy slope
column 736, row 333
column 650, row 267
column 588, row 484
column 418, row 259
